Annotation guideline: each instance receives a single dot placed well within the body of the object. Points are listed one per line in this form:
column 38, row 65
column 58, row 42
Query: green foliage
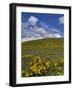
column 42, row 58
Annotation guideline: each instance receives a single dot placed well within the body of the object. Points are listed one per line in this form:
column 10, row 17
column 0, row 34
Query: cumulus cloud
column 40, row 30
column 32, row 20
column 61, row 20
column 57, row 35
column 31, row 31
column 52, row 35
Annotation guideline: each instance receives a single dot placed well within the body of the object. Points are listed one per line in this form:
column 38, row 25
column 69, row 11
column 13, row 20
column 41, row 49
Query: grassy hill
column 44, row 57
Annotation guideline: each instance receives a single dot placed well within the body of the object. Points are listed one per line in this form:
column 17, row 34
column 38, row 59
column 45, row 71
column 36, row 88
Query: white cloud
column 61, row 20
column 40, row 30
column 55, row 30
column 53, row 35
column 31, row 31
column 32, row 20
column 57, row 35
column 38, row 33
column 30, row 39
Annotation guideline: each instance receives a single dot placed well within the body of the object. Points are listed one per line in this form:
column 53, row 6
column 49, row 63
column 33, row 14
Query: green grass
column 43, row 51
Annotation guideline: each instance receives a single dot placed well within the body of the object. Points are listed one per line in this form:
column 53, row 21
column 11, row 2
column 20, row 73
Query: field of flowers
column 43, row 57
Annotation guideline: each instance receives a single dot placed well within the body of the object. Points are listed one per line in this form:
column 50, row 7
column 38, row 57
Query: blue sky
column 40, row 25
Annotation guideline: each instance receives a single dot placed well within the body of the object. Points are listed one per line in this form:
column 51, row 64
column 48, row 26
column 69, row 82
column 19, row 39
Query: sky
column 42, row 25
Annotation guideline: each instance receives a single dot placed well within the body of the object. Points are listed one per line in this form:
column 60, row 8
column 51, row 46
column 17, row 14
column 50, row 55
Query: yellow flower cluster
column 41, row 67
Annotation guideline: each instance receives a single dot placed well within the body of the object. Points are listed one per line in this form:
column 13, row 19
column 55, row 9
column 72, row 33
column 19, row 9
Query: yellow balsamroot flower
column 47, row 63
column 36, row 69
column 41, row 66
column 38, row 65
column 44, row 69
column 33, row 68
column 39, row 69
